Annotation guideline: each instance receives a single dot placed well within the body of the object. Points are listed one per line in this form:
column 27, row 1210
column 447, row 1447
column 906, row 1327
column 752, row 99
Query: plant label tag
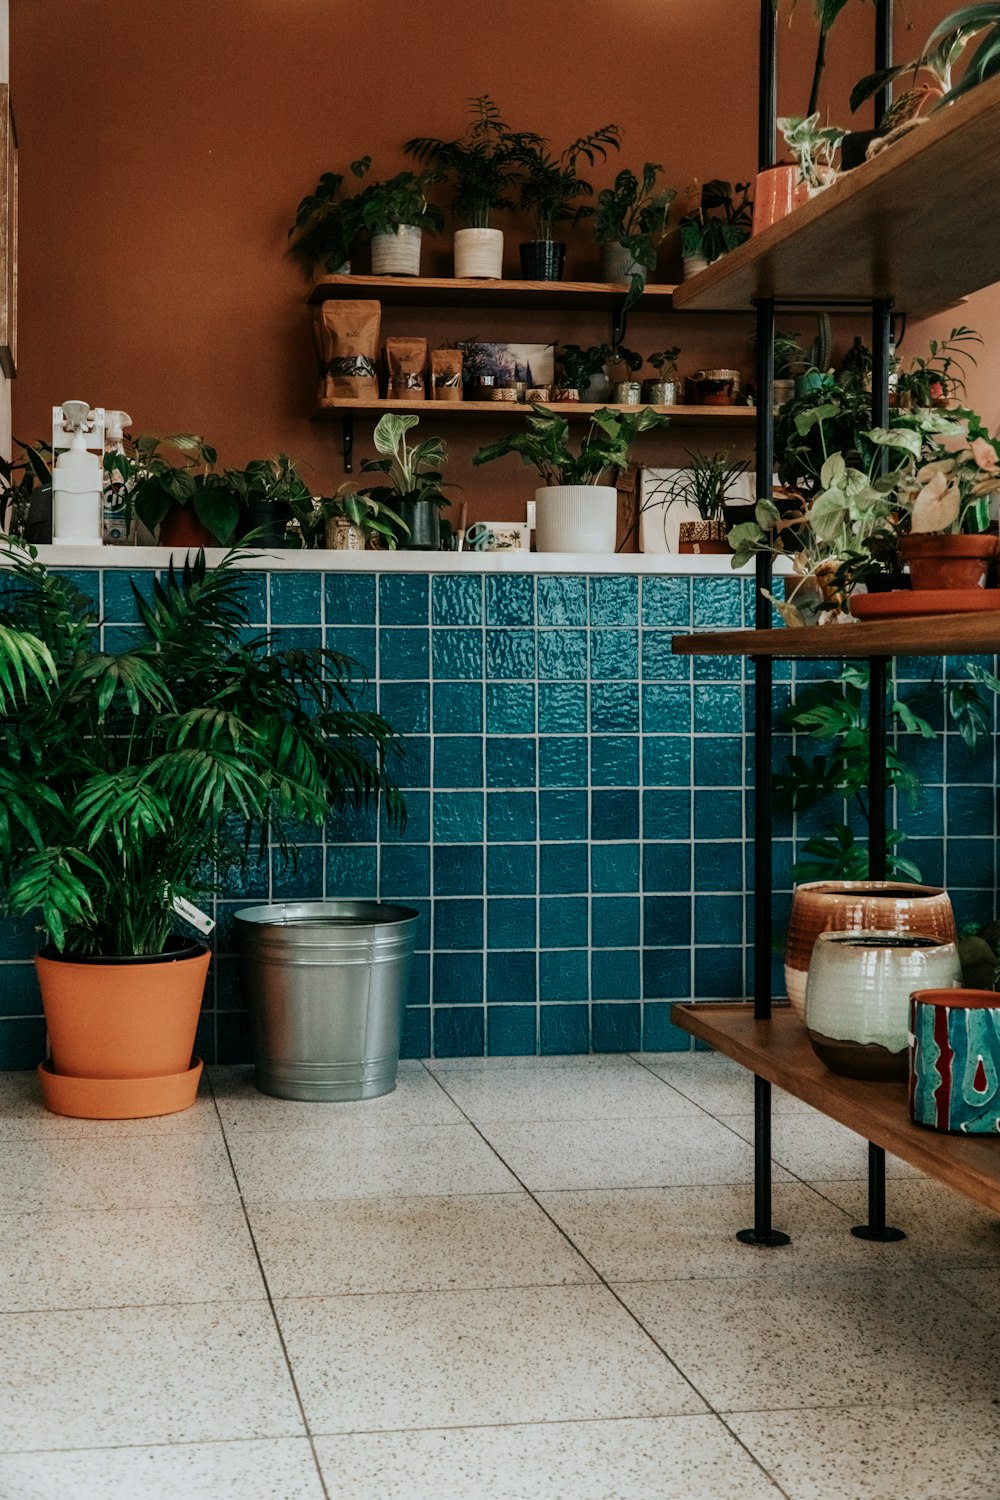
column 198, row 919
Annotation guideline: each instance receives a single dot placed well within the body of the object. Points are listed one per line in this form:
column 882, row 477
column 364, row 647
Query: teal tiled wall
column 576, row 844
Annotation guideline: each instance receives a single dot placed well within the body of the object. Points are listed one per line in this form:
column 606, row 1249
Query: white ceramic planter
column 694, row 265
column 576, row 518
column 397, row 254
column 479, row 253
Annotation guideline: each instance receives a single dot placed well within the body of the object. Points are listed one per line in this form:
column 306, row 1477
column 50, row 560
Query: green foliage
column 385, row 207
column 550, row 186
column 721, row 220
column 932, row 70
column 130, row 778
column 813, row 146
column 705, row 483
column 831, row 418
column 634, row 213
column 480, row 166
column 328, row 221
column 604, row 448
column 955, row 31
column 578, row 366
column 665, row 362
column 19, row 478
column 412, row 469
column 942, row 371
column 157, row 483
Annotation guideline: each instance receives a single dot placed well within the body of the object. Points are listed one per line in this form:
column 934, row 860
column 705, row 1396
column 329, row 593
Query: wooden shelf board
column 779, row 1051
column 681, row 416
column 932, row 635
column 450, row 291
column 917, row 225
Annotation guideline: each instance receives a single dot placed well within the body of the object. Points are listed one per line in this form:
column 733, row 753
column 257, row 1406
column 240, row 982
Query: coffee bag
column 446, row 375
column 347, row 335
column 406, row 362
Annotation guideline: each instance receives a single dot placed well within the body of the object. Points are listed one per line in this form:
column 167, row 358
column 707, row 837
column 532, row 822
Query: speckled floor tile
column 22, row 1113
column 124, row 1257
column 605, row 1093
column 585, row 1060
column 411, row 1244
column 945, row 1451
column 715, row 1082
column 265, row 1469
column 143, row 1375
column 416, row 1100
column 282, row 1166
column 814, row 1147
column 622, row 1153
column 81, row 1172
column 819, row 1340
column 942, row 1227
column 671, row 1458
column 449, row 1359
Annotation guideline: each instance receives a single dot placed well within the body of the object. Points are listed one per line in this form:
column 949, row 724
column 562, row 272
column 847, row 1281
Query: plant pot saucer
column 904, row 604
column 118, row 1098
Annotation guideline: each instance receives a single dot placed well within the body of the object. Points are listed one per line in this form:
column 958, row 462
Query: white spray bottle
column 116, row 488
column 78, row 474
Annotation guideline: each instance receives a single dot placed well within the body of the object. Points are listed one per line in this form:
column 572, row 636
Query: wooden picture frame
column 8, row 236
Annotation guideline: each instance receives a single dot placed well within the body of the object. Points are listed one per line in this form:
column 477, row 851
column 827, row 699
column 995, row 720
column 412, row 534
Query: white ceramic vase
column 397, row 254
column 694, row 265
column 576, row 518
column 479, row 253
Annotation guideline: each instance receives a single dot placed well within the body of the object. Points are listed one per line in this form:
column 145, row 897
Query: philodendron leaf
column 833, row 471
column 390, row 431
column 897, row 437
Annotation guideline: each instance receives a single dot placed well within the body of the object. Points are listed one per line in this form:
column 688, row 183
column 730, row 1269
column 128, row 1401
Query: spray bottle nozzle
column 75, row 414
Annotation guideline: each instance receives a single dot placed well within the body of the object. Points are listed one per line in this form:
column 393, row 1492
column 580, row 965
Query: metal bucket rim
column 319, row 914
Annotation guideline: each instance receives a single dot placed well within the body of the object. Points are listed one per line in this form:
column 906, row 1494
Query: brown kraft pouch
column 446, row 375
column 347, row 335
column 406, row 362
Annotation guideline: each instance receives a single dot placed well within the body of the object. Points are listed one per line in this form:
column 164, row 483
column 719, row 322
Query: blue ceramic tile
column 562, row 708
column 614, row 760
column 666, row 760
column 511, row 816
column 562, row 974
column 458, row 869
column 19, row 937
column 403, row 598
column 117, row 639
column 617, row 1028
column 458, row 924
column 416, row 1040
column 562, row 761
column 615, row 921
column 510, row 1030
column 417, row 829
column 299, row 638
column 563, row 922
column 659, row 1034
column 119, row 599
column 510, row 653
column 419, row 992
column 562, row 655
column 971, row 862
column 659, row 661
column 666, row 814
column 350, row 871
column 458, row 979
column 563, row 814
column 254, row 587
column 928, row 856
column 666, row 707
column 354, row 642
column 510, row 599
column 510, row 921
column 458, row 1032
column 718, row 708
column 718, row 974
column 614, row 815
column 563, row 868
column 295, row 598
column 88, row 582
column 456, row 653
column 414, row 769
column 406, row 870
column 350, row 598
column 970, row 766
column 511, row 869
column 716, row 603
column 19, row 995
column 614, row 600
column 614, row 653
column 971, row 811
column 718, row 761
column 300, row 878
column 406, row 705
column 562, row 601
column 458, row 761
column 404, row 651
column 718, row 815
column 667, row 920
column 422, row 930
column 666, row 973
column 719, row 919
column 666, row 602
column 458, row 817
column 614, row 707
column 614, row 975
column 458, row 707
column 666, row 867
column 511, row 976
column 510, row 707
column 457, row 600
column 510, row 761
column 564, row 1029
column 726, row 669
column 614, row 867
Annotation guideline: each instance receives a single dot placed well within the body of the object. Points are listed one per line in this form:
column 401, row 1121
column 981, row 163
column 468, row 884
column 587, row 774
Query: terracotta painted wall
column 154, row 278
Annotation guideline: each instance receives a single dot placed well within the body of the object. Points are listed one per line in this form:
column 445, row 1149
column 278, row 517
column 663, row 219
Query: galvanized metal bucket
column 326, row 983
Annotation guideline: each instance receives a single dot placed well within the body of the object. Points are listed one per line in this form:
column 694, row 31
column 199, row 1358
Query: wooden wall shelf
column 680, row 416
column 931, row 635
column 450, row 291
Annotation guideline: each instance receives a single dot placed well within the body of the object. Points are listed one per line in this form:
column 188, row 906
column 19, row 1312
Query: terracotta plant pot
column 180, row 527
column 776, row 192
column 948, row 561
column 121, row 1032
column 715, row 387
column 858, row 906
column 955, row 1060
column 701, row 537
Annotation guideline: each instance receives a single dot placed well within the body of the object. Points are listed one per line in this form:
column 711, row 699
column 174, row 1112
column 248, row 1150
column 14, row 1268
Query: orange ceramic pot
column 858, row 906
column 180, row 527
column 948, row 562
column 114, row 1023
column 776, row 192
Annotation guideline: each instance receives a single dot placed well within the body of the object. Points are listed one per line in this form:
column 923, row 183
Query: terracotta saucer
column 118, row 1098
column 901, row 604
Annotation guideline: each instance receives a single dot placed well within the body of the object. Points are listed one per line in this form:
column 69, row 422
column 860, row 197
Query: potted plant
column 703, row 485
column 580, row 369
column 938, row 378
column 23, row 482
column 395, row 213
column 814, row 148
column 192, row 505
column 271, row 493
column 789, row 361
column 719, row 217
column 480, row 168
column 630, row 223
column 354, row 520
column 667, row 389
column 328, row 222
column 133, row 780
column 550, row 188
column 416, row 489
column 576, row 509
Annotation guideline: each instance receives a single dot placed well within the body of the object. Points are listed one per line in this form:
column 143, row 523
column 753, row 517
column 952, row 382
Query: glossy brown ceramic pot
column 859, row 906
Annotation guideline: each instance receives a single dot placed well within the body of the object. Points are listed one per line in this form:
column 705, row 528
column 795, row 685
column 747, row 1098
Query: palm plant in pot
column 415, row 492
column 630, row 224
column 481, row 170
column 131, row 781
column 550, row 190
column 396, row 213
column 576, row 508
column 192, row 504
column 328, row 222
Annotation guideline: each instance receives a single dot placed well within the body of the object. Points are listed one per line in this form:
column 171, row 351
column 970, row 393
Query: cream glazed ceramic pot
column 858, row 906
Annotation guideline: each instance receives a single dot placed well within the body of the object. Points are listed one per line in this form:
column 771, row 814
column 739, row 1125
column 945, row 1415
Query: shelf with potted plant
column 690, row 416
column 454, row 291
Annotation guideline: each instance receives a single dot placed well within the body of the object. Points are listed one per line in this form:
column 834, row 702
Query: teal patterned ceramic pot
column 955, row 1060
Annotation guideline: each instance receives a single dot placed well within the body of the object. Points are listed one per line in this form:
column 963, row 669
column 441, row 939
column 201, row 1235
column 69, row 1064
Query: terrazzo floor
column 508, row 1280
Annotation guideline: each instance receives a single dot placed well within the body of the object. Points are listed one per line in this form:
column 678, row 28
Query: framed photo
column 8, row 236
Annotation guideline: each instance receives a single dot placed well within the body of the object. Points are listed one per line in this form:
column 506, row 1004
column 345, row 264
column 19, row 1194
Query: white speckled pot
column 479, row 253
column 397, row 254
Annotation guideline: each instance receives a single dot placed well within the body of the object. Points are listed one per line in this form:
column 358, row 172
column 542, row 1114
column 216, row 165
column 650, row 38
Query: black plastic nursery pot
column 267, row 521
column 543, row 260
column 424, row 520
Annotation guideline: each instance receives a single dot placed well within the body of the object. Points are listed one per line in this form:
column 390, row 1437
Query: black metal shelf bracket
column 347, row 436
